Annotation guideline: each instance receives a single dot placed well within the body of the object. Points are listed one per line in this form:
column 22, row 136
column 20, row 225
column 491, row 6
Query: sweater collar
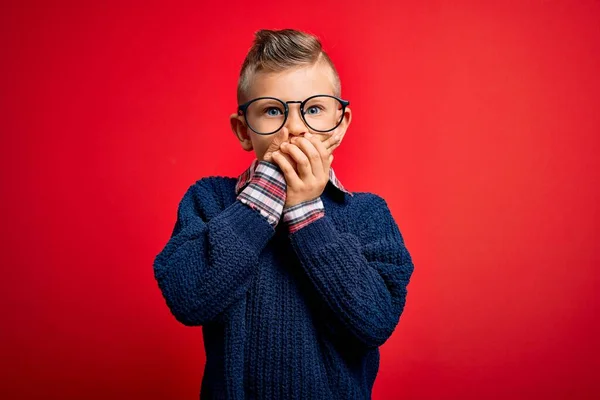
column 245, row 177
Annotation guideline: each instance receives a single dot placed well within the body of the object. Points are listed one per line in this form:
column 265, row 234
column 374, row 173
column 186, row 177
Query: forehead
column 294, row 83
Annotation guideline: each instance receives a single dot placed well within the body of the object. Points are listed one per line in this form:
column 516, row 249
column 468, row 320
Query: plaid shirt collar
column 245, row 177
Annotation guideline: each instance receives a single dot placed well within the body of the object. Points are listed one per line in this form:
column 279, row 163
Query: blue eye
column 313, row 110
column 273, row 112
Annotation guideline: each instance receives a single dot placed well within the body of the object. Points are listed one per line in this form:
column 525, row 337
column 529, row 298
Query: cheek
column 262, row 144
column 324, row 136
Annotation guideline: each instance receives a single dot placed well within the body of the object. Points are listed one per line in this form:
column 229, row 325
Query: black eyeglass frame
column 243, row 107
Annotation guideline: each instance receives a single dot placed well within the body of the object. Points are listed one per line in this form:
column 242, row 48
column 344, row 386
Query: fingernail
column 308, row 135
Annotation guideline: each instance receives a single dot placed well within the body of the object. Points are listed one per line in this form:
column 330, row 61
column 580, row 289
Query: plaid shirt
column 262, row 186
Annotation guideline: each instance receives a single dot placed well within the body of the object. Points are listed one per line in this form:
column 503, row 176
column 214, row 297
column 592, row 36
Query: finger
column 287, row 168
column 301, row 160
column 320, row 146
column 290, row 159
column 332, row 142
column 334, row 146
column 326, row 153
column 268, row 156
column 313, row 155
column 323, row 153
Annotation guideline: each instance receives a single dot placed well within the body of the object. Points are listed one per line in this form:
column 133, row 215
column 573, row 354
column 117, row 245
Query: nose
column 295, row 124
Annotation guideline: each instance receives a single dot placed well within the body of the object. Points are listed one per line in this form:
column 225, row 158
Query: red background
column 478, row 122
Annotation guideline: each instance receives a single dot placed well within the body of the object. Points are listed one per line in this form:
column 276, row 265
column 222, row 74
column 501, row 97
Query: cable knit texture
column 285, row 315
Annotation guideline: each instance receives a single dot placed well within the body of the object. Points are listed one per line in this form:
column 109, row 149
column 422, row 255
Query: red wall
column 478, row 123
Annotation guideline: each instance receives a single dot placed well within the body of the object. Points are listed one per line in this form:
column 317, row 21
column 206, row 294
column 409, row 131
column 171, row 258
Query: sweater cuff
column 247, row 223
column 316, row 234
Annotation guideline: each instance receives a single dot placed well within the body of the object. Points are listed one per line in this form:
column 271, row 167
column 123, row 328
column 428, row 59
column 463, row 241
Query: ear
column 345, row 123
column 240, row 130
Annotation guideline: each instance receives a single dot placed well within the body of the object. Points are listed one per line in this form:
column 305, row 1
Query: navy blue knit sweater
column 285, row 316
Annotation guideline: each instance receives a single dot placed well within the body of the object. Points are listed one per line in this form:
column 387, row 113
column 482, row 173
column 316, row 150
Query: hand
column 273, row 146
column 305, row 163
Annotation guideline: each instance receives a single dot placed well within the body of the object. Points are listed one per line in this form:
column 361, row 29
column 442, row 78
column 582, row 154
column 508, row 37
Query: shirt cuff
column 302, row 214
column 266, row 191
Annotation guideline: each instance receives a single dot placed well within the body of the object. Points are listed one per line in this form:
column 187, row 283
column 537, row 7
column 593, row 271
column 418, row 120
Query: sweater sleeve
column 207, row 264
column 362, row 277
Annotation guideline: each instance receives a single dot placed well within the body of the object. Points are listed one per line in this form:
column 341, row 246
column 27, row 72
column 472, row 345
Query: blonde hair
column 278, row 50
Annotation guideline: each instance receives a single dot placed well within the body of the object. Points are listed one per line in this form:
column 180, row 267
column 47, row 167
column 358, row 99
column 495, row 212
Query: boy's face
column 289, row 85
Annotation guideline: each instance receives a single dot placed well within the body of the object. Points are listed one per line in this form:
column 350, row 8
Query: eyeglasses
column 267, row 115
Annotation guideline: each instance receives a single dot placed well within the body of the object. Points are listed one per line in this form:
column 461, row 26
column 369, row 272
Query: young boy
column 295, row 281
